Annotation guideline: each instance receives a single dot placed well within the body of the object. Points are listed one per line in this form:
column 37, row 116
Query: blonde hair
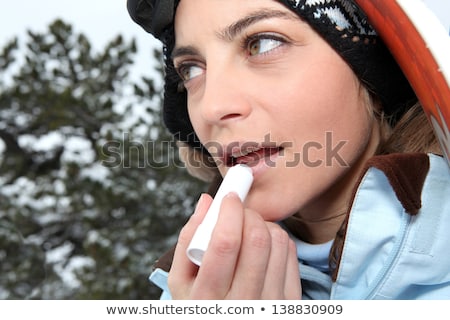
column 412, row 133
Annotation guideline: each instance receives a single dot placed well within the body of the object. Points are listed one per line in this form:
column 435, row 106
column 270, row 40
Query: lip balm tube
column 238, row 179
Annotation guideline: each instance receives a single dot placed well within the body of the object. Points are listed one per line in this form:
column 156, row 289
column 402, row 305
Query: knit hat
column 340, row 22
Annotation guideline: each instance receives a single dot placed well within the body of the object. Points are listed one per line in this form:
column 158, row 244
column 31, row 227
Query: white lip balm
column 238, row 179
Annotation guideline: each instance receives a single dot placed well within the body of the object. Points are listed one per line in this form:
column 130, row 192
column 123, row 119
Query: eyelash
column 249, row 40
column 245, row 45
column 183, row 66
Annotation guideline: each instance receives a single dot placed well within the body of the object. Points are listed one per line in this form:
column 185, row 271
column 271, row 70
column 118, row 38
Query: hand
column 247, row 258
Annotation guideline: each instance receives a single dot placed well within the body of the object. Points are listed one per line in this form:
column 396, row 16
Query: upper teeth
column 242, row 153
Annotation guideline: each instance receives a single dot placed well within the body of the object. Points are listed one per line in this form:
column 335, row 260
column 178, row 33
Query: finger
column 253, row 258
column 275, row 281
column 293, row 288
column 183, row 271
column 216, row 272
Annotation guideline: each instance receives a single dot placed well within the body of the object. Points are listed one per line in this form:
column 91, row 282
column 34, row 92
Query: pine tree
column 91, row 187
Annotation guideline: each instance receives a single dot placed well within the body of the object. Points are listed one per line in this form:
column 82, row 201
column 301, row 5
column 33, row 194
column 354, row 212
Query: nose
column 226, row 96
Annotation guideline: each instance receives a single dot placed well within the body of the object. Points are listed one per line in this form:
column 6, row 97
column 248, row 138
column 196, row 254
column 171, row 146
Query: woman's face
column 266, row 90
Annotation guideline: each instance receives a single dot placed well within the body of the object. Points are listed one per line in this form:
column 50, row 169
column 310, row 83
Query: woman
column 304, row 92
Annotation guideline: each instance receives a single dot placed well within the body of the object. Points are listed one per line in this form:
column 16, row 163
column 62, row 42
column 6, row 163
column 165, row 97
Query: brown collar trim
column 406, row 173
column 165, row 261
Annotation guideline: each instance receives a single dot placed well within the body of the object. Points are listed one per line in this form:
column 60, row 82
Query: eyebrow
column 232, row 31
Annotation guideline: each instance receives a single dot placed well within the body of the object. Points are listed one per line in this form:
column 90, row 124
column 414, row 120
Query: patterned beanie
column 340, row 22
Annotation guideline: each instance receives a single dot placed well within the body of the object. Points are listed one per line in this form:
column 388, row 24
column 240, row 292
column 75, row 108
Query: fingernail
column 232, row 194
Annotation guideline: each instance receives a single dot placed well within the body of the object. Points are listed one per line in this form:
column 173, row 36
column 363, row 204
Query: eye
column 188, row 71
column 262, row 43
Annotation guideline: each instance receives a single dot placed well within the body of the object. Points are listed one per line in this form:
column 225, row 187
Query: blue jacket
column 397, row 237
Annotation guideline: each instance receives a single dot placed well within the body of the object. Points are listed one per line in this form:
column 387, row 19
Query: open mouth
column 251, row 156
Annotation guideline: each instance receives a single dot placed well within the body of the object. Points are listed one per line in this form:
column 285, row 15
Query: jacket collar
column 406, row 173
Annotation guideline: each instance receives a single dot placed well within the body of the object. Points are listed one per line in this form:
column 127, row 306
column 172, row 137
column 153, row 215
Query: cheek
column 315, row 105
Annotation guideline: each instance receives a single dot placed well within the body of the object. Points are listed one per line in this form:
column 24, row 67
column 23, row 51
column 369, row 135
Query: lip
column 257, row 157
column 252, row 157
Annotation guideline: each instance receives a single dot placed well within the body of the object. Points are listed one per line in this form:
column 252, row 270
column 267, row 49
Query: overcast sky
column 442, row 10
column 101, row 20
